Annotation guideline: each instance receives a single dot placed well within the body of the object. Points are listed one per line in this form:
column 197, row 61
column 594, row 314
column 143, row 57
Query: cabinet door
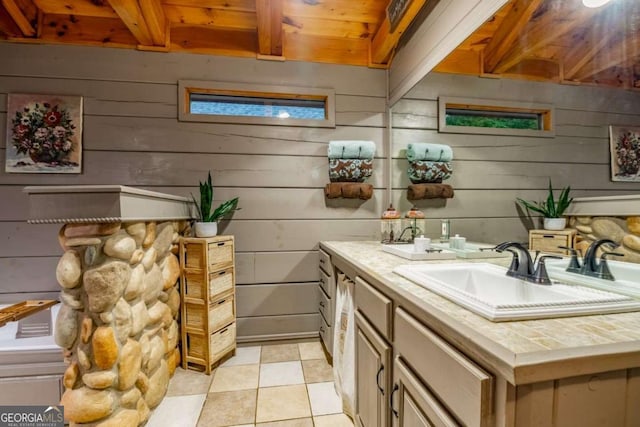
column 373, row 375
column 412, row 403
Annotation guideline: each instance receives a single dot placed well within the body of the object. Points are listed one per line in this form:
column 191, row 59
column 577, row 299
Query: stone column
column 118, row 322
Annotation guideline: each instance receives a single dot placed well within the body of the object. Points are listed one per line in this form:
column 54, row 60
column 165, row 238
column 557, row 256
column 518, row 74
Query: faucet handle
column 603, row 268
column 540, row 275
column 574, row 265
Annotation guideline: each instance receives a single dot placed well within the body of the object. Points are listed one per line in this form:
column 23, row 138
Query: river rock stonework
column 623, row 230
column 118, row 324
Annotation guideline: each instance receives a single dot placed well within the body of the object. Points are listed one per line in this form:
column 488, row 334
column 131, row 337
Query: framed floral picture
column 44, row 134
column 624, row 142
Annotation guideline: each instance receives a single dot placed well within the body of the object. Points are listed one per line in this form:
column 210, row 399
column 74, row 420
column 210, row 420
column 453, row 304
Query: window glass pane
column 493, row 119
column 227, row 105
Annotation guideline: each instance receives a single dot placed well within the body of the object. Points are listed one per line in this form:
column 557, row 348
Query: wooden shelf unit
column 208, row 309
column 550, row 240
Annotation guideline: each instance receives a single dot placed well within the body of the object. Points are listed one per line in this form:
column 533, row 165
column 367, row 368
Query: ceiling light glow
column 595, row 3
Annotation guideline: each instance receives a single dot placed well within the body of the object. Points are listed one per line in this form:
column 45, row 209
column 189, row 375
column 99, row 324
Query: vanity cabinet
column 373, row 355
column 208, row 309
column 326, row 300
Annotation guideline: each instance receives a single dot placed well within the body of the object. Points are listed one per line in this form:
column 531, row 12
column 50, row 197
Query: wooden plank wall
column 132, row 137
column 491, row 171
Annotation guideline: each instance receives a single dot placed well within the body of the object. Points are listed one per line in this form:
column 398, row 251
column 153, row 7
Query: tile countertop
column 517, row 349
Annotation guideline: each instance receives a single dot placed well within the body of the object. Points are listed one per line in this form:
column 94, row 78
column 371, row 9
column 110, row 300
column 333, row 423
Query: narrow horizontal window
column 458, row 115
column 252, row 104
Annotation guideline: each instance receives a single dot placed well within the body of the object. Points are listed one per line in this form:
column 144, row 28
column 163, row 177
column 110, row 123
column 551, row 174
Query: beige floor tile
column 311, row 350
column 228, row 408
column 279, row 353
column 244, row 356
column 324, row 399
column 300, row 422
column 230, row 378
column 282, row 403
column 177, row 411
column 281, row 373
column 317, row 371
column 187, row 382
column 335, row 420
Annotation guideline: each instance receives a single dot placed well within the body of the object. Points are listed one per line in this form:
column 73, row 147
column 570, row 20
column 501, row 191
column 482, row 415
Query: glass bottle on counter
column 415, row 220
column 390, row 225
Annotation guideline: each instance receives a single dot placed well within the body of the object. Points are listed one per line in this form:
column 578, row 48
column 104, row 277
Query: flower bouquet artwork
column 624, row 142
column 44, row 134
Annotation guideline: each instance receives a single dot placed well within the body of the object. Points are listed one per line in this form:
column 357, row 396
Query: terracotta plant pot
column 206, row 229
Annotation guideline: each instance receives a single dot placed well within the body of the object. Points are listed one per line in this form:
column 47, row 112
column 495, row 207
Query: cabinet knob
column 321, row 303
column 321, row 261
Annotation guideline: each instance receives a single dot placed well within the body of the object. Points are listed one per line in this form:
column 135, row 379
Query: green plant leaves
column 550, row 208
column 206, row 202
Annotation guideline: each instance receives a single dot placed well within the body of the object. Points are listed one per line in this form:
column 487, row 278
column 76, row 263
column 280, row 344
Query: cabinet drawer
column 462, row 386
column 220, row 282
column 376, row 307
column 326, row 334
column 220, row 312
column 22, row 390
column 220, row 343
column 325, row 263
column 203, row 253
column 325, row 306
column 549, row 243
column 327, row 283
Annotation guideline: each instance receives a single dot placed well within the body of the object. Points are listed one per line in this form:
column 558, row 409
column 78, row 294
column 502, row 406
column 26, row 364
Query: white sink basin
column 486, row 290
column 408, row 251
column 627, row 277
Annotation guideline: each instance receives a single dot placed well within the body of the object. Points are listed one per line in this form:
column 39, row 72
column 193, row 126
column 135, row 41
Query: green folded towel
column 352, row 149
column 427, row 151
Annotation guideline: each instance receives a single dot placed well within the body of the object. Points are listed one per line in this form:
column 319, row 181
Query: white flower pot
column 555, row 223
column 206, row 229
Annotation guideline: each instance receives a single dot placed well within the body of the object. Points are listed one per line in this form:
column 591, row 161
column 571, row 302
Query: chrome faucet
column 522, row 267
column 414, row 232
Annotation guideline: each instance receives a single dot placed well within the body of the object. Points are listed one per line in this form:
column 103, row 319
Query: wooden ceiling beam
column 624, row 53
column 543, row 31
column 153, row 14
column 131, row 15
column 386, row 40
column 19, row 18
column 269, row 20
column 585, row 52
column 509, row 30
column 76, row 7
column 8, row 26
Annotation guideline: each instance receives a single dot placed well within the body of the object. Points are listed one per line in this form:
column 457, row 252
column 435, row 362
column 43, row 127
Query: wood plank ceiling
column 556, row 40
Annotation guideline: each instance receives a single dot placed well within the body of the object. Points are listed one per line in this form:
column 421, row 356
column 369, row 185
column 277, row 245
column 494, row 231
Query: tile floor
column 283, row 385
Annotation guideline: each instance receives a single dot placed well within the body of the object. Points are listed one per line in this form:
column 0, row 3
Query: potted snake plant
column 207, row 224
column 551, row 209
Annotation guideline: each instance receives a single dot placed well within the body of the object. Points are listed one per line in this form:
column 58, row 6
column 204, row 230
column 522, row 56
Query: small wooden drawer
column 326, row 334
column 220, row 343
column 325, row 263
column 220, row 282
column 325, row 306
column 211, row 253
column 376, row 307
column 221, row 313
column 549, row 241
column 451, row 376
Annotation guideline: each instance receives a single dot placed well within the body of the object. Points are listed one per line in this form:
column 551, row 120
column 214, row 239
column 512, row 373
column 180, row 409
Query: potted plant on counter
column 551, row 209
column 207, row 225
